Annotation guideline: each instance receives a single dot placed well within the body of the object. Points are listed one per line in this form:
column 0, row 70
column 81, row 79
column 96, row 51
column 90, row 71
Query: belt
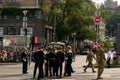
column 52, row 59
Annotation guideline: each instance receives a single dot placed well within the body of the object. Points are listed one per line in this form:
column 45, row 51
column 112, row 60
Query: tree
column 108, row 44
column 112, row 24
column 71, row 16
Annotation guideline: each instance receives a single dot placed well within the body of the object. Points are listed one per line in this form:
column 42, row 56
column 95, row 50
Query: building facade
column 110, row 4
column 19, row 3
column 12, row 25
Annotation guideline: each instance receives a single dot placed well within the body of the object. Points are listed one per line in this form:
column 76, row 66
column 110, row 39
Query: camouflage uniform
column 89, row 58
column 101, row 60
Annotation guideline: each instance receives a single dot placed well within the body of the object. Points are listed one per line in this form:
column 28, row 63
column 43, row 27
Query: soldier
column 46, row 61
column 89, row 58
column 40, row 58
column 59, row 61
column 24, row 61
column 39, row 61
column 36, row 62
column 68, row 61
column 51, row 63
column 101, row 60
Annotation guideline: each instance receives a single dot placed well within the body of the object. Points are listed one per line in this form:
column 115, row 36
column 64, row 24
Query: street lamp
column 74, row 44
column 25, row 25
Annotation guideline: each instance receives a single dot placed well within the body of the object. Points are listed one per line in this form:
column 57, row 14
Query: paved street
column 14, row 72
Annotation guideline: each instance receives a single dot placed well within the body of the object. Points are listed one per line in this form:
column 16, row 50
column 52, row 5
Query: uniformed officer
column 59, row 61
column 46, row 52
column 35, row 55
column 89, row 59
column 51, row 62
column 68, row 61
column 24, row 58
column 40, row 58
column 101, row 60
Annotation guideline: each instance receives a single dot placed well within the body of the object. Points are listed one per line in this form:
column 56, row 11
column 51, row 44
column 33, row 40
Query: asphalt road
column 14, row 72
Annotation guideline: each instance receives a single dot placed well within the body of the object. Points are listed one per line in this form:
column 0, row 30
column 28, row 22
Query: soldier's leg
column 54, row 71
column 46, row 69
column 100, row 71
column 35, row 69
column 86, row 67
column 92, row 67
column 61, row 70
column 57, row 68
column 50, row 68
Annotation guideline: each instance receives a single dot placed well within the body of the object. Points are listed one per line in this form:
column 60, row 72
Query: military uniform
column 51, row 63
column 101, row 60
column 46, row 64
column 89, row 58
column 36, row 63
column 24, row 61
column 68, row 63
column 40, row 62
column 59, row 62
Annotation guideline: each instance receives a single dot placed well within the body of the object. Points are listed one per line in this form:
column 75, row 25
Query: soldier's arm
column 103, row 55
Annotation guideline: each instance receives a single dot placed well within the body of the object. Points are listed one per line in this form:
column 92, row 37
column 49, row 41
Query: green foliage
column 71, row 16
column 105, row 14
column 108, row 44
column 88, row 32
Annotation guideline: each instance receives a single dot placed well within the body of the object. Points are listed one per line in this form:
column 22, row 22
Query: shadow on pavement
column 11, row 75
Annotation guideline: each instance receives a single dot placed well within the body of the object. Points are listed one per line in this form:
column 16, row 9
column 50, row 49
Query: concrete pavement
column 14, row 72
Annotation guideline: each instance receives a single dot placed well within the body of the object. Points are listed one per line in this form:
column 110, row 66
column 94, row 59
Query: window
column 13, row 1
column 1, row 1
column 11, row 30
column 1, row 31
column 17, row 17
column 5, row 17
column 29, row 31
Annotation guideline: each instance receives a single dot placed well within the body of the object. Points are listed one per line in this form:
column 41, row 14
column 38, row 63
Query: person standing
column 51, row 62
column 109, row 53
column 46, row 61
column 59, row 61
column 69, row 61
column 24, row 58
column 114, row 56
column 89, row 59
column 101, row 60
column 35, row 55
column 40, row 58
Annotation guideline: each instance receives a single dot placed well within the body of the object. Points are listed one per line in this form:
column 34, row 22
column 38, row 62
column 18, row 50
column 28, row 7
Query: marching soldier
column 101, row 60
column 59, row 61
column 24, row 61
column 89, row 58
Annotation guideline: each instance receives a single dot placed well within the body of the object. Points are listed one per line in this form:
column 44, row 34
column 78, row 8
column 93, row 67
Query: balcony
column 12, row 4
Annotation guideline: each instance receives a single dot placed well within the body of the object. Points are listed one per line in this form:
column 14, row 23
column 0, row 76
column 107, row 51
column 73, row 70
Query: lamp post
column 25, row 25
column 74, row 44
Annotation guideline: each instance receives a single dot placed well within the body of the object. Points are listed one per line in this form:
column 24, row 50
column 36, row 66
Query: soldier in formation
column 51, row 62
column 59, row 62
column 68, row 59
column 39, row 61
